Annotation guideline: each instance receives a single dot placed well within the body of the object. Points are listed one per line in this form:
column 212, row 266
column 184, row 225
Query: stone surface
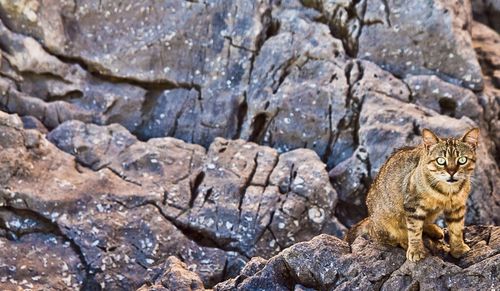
column 327, row 263
column 110, row 222
column 39, row 84
column 239, row 196
column 209, row 130
column 123, row 205
column 172, row 275
column 421, row 37
column 487, row 45
column 487, row 12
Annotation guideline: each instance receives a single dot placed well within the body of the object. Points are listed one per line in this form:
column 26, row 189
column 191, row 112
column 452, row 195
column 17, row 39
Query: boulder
column 120, row 206
column 238, row 196
column 487, row 12
column 327, row 263
column 172, row 275
column 421, row 38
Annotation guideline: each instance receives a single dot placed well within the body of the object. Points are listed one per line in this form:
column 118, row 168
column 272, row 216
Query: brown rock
column 172, row 275
column 239, row 196
column 327, row 263
column 487, row 45
column 487, row 12
column 421, row 38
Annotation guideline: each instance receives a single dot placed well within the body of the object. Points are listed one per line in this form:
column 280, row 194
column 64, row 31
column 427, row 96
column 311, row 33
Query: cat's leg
column 455, row 220
column 430, row 228
column 386, row 233
column 415, row 223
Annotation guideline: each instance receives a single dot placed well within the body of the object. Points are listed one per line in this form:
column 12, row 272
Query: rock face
column 122, row 205
column 487, row 12
column 327, row 263
column 217, row 131
column 172, row 275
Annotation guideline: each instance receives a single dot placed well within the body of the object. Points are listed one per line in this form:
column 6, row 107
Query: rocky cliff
column 225, row 144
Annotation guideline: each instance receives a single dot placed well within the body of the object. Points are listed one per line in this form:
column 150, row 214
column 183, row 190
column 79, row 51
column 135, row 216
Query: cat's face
column 451, row 160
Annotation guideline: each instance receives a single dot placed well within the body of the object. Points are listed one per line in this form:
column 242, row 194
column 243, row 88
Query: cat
column 416, row 185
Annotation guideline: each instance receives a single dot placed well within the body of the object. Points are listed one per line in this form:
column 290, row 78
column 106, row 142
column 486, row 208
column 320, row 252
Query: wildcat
column 416, row 185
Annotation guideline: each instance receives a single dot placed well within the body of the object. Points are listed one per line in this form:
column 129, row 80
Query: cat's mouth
column 451, row 180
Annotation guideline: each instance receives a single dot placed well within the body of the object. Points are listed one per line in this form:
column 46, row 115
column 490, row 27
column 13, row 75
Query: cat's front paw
column 416, row 253
column 459, row 251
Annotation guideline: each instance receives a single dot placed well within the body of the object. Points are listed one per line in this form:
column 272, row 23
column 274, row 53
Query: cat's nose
column 452, row 171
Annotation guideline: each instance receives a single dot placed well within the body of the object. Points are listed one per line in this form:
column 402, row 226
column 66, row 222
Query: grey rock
column 172, row 275
column 39, row 84
column 327, row 263
column 127, row 205
column 109, row 222
column 420, row 37
column 239, row 196
column 487, row 44
column 487, row 12
column 39, row 261
column 138, row 42
column 351, row 180
column 445, row 98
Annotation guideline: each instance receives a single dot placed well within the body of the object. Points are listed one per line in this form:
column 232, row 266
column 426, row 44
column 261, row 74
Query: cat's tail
column 360, row 228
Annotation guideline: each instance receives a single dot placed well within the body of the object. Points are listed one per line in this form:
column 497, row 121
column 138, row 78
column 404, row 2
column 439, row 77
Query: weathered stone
column 239, row 196
column 487, row 45
column 39, row 261
column 351, row 180
column 162, row 42
column 110, row 222
column 53, row 91
column 421, row 37
column 487, row 12
column 297, row 94
column 445, row 98
column 172, row 275
column 327, row 263
column 206, row 54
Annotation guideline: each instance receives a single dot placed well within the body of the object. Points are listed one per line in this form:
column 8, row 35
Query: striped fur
column 414, row 187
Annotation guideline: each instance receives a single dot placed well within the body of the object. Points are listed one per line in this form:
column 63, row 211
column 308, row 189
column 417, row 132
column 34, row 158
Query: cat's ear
column 429, row 138
column 471, row 137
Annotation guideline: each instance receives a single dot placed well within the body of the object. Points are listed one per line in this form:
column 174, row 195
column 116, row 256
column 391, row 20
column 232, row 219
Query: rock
column 195, row 68
column 53, row 91
column 327, row 263
column 421, row 38
column 108, row 221
column 302, row 102
column 172, row 275
column 445, row 98
column 487, row 44
column 158, row 43
column 239, row 196
column 40, row 261
column 125, row 205
column 30, row 122
column 487, row 12
column 351, row 179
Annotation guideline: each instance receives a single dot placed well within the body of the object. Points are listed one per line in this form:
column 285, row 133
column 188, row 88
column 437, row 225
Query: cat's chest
column 442, row 201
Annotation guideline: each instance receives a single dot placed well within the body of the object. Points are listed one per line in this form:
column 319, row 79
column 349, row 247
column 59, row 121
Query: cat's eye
column 441, row 161
column 462, row 160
